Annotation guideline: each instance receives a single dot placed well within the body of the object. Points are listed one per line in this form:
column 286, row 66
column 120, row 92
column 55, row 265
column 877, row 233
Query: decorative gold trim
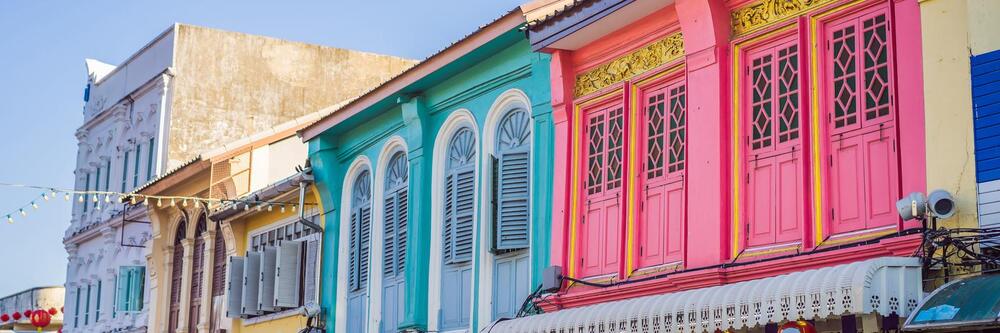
column 764, row 12
column 636, row 62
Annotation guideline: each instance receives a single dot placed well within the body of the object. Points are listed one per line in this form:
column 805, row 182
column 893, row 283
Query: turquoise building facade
column 436, row 188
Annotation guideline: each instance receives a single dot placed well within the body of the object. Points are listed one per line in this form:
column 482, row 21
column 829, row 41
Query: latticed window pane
column 761, row 99
column 876, row 62
column 615, row 139
column 678, row 127
column 844, row 48
column 595, row 154
column 655, row 134
column 788, row 93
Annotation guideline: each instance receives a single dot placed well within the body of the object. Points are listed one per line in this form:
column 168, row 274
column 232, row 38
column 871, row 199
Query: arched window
column 457, row 229
column 395, row 203
column 360, row 234
column 176, row 276
column 197, row 274
column 511, row 201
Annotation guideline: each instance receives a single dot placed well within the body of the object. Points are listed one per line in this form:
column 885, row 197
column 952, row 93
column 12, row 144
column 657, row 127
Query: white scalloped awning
column 883, row 285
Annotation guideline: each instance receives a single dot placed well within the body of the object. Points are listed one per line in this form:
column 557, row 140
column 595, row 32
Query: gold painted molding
column 765, row 12
column 648, row 57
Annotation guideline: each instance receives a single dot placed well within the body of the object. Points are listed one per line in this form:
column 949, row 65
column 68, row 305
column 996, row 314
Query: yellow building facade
column 251, row 195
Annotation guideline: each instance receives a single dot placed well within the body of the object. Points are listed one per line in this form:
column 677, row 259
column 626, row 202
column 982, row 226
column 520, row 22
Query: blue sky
column 42, row 76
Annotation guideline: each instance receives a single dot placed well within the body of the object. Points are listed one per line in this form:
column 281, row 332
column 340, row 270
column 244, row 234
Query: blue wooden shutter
column 401, row 225
column 389, row 236
column 447, row 232
column 513, row 194
column 135, row 174
column 352, row 257
column 986, row 111
column 460, row 192
column 361, row 230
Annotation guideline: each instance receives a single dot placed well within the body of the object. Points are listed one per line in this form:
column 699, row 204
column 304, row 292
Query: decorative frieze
column 636, row 62
column 765, row 12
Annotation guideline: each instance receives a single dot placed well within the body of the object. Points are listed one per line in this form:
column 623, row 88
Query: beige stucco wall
column 948, row 105
column 230, row 85
column 984, row 27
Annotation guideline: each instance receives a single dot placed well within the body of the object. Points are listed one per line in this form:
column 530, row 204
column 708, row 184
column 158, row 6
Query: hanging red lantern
column 17, row 316
column 62, row 309
column 53, row 311
column 27, row 313
column 4, row 317
column 798, row 326
column 40, row 319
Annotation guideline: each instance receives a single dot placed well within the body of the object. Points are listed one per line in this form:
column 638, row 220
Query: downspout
column 307, row 178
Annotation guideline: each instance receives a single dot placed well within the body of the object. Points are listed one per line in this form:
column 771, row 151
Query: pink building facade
column 706, row 143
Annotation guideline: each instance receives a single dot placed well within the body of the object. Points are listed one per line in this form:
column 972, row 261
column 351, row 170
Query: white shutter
column 312, row 268
column 286, row 285
column 268, row 268
column 234, row 287
column 251, row 280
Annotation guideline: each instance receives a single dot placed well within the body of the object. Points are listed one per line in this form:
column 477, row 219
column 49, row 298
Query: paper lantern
column 40, row 319
column 4, row 317
column 27, row 313
column 53, row 311
column 17, row 316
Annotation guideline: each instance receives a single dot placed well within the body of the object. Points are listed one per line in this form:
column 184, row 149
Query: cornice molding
column 634, row 63
column 762, row 13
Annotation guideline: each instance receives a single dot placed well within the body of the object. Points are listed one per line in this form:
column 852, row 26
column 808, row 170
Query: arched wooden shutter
column 460, row 197
column 197, row 275
column 394, row 241
column 459, row 219
column 176, row 271
column 513, row 185
column 360, row 234
column 218, row 272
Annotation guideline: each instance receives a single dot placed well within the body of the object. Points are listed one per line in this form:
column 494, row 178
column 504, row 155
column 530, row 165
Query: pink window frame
column 794, row 32
column 671, row 78
column 823, row 86
column 588, row 104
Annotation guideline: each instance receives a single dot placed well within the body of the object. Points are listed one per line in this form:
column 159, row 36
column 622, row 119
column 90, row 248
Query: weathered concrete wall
column 948, row 102
column 231, row 85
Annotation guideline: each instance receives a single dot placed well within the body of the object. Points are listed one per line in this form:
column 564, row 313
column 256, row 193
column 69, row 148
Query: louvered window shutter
column 286, row 284
column 251, row 280
column 402, row 204
column 389, row 237
column 234, row 287
column 465, row 198
column 447, row 251
column 513, row 217
column 365, row 246
column 311, row 269
column 268, row 270
column 494, row 200
column 352, row 258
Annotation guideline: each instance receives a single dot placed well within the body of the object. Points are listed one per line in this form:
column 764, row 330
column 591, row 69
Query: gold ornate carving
column 765, row 12
column 629, row 65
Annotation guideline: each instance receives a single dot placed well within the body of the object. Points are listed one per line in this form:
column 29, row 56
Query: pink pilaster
column 562, row 89
column 705, row 25
column 910, row 99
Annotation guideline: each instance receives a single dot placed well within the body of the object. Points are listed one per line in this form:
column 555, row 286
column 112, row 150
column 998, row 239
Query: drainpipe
column 307, row 178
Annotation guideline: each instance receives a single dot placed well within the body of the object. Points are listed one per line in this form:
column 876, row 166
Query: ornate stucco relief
column 764, row 12
column 636, row 62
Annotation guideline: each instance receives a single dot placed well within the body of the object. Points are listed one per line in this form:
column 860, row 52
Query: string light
column 86, row 197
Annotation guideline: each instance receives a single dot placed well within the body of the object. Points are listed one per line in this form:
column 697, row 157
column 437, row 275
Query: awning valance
column 964, row 304
column 883, row 285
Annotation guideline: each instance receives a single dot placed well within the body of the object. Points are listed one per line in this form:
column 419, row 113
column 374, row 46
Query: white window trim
column 359, row 164
column 393, row 145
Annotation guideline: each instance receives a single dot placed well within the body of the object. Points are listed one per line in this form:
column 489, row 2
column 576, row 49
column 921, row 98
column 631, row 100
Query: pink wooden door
column 863, row 166
column 601, row 223
column 660, row 227
column 774, row 198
